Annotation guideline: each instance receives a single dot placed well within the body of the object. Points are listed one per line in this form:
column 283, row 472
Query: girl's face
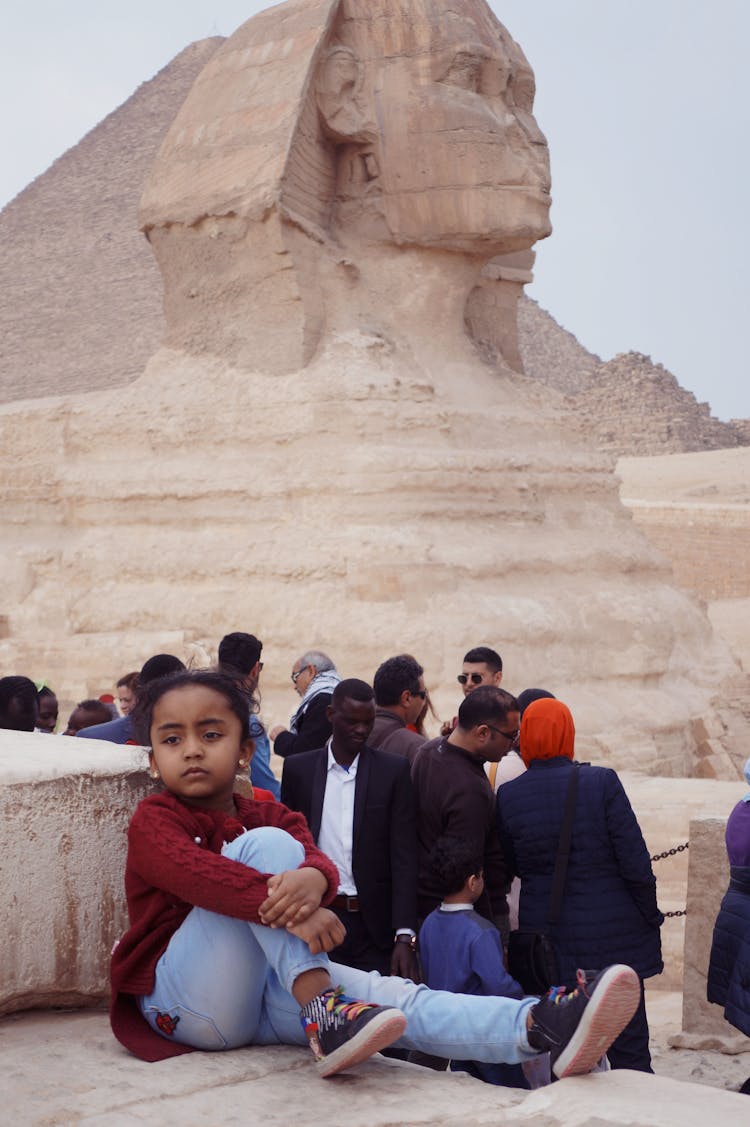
column 47, row 714
column 126, row 699
column 197, row 746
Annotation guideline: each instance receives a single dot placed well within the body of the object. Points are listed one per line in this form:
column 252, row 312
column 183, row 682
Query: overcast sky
column 645, row 105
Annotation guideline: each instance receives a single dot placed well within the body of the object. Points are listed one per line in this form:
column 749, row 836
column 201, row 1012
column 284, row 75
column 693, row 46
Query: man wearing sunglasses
column 482, row 666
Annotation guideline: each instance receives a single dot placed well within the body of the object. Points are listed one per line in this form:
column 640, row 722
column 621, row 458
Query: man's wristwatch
column 410, row 939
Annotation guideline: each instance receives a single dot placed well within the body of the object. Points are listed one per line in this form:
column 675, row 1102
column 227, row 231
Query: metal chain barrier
column 671, row 853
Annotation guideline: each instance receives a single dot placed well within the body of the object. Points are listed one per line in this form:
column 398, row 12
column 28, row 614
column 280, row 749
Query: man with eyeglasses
column 454, row 797
column 314, row 677
column 400, row 696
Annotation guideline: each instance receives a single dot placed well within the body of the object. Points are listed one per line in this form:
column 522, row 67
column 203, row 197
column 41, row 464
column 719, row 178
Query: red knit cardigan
column 174, row 863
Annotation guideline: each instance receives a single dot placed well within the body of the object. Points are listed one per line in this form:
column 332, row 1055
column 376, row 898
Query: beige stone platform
column 65, row 1068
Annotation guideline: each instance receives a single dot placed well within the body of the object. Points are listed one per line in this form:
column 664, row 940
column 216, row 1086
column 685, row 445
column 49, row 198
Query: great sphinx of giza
column 325, row 148
column 319, row 451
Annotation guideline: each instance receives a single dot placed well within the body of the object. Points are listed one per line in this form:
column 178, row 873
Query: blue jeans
column 228, row 982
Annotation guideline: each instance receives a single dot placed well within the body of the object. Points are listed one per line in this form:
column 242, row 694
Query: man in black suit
column 359, row 805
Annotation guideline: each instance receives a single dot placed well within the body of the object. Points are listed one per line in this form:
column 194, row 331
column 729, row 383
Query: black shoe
column 343, row 1032
column 745, row 1089
column 578, row 1028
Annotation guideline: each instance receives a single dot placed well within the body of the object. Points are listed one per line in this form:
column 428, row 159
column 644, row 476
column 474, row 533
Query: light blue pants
column 229, row 983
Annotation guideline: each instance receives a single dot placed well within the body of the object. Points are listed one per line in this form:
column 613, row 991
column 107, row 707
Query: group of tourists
column 395, row 855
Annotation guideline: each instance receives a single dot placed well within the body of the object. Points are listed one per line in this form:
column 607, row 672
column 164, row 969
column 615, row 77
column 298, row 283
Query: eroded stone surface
column 64, row 808
column 84, row 1077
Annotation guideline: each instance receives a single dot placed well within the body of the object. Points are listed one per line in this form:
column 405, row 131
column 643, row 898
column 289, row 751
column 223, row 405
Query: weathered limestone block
column 64, row 808
column 708, row 877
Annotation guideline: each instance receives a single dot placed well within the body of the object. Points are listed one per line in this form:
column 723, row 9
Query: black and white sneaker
column 343, row 1031
column 578, row 1028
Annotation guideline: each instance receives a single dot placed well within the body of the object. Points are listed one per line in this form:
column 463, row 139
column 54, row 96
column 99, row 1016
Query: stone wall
column 695, row 509
column 709, row 548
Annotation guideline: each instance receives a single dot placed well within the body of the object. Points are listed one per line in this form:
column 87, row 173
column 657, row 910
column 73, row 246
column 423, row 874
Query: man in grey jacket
column 399, row 696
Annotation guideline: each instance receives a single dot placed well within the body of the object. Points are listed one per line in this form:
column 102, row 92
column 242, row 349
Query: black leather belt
column 347, row 903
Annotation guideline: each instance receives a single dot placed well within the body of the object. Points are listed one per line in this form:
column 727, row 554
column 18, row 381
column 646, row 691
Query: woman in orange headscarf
column 609, row 912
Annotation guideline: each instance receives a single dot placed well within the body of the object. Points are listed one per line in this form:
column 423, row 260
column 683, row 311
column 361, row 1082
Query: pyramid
column 81, row 306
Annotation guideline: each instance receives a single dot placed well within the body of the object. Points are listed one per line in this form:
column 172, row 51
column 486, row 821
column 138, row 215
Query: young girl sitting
column 228, row 929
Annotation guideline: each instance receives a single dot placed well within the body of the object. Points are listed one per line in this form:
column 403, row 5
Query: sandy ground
column 699, row 1066
column 719, row 476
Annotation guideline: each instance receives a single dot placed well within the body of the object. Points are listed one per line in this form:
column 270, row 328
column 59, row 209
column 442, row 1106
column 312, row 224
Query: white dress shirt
column 337, row 820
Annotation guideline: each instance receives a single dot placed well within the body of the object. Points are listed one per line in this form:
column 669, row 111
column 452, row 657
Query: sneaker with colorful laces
column 343, row 1031
column 578, row 1028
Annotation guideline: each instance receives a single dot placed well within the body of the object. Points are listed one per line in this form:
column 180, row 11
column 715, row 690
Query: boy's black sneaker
column 343, row 1031
column 578, row 1028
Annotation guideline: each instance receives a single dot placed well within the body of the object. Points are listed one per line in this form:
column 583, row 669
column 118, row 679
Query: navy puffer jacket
column 729, row 968
column 609, row 912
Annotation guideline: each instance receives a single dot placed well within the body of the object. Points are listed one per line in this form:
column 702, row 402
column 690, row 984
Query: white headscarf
column 324, row 682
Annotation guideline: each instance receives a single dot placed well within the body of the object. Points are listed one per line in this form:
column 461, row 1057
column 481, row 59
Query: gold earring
column 242, row 762
column 154, row 774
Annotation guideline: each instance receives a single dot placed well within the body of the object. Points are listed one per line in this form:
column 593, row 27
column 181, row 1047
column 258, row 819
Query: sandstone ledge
column 87, row 1078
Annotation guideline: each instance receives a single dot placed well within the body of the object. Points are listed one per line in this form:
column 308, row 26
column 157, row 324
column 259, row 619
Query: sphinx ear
column 338, row 96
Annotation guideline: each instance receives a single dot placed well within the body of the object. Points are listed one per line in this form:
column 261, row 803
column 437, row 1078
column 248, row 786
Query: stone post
column 708, row 877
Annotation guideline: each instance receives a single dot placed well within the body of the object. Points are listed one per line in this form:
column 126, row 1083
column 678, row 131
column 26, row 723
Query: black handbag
column 532, row 960
column 531, row 956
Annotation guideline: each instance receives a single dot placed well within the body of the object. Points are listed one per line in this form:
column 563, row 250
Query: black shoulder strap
column 563, row 848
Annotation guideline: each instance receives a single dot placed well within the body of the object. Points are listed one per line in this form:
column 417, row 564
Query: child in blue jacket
column 461, row 951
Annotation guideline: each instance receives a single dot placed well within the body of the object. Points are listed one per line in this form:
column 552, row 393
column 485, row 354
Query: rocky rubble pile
column 633, row 406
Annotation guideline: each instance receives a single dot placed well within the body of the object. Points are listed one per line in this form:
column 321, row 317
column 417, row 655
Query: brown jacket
column 390, row 733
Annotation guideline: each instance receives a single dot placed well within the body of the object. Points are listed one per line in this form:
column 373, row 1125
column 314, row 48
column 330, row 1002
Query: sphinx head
column 329, row 124
column 428, row 107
